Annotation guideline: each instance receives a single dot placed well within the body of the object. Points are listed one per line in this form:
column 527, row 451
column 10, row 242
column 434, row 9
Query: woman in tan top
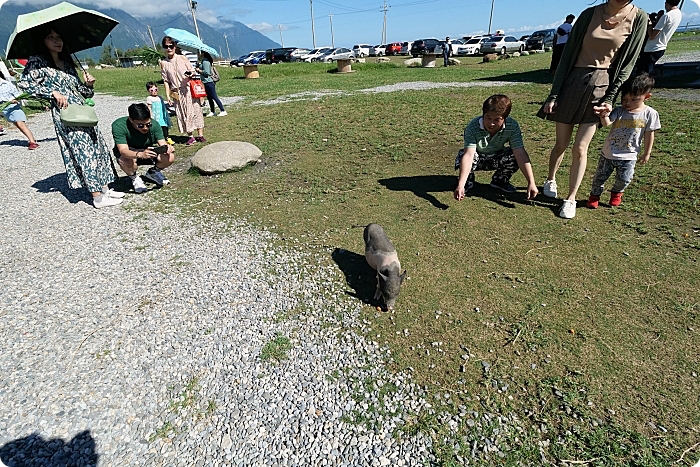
column 176, row 71
column 599, row 56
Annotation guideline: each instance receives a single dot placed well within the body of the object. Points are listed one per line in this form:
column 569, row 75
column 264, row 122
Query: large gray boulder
column 412, row 62
column 225, row 156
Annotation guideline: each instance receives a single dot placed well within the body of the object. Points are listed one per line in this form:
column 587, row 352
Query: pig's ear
column 382, row 276
column 402, row 277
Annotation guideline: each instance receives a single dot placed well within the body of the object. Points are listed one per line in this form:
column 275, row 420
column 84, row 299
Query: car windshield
column 537, row 34
column 473, row 41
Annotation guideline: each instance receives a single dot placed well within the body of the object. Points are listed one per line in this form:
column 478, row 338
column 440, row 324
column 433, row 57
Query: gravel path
column 133, row 338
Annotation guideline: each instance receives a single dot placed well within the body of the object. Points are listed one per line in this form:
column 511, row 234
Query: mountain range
column 132, row 32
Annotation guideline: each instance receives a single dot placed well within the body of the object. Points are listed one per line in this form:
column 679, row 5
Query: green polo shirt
column 475, row 136
column 124, row 133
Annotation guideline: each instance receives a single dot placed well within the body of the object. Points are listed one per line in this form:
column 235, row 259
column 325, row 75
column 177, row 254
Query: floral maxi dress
column 189, row 113
column 85, row 153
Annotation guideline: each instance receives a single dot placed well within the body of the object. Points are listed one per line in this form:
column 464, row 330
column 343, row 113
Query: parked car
column 455, row 45
column 245, row 59
column 294, row 55
column 238, row 61
column 278, row 55
column 378, row 51
column 540, row 39
column 394, row 48
column 472, row 46
column 308, row 57
column 361, row 50
column 339, row 53
column 406, row 48
column 502, row 45
column 426, row 46
column 255, row 59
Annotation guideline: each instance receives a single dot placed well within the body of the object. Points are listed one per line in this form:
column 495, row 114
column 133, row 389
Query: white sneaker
column 139, row 186
column 210, row 114
column 223, row 113
column 104, row 200
column 568, row 209
column 114, row 194
column 549, row 188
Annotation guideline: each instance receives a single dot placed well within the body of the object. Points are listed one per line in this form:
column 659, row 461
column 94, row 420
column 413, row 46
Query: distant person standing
column 560, row 38
column 659, row 35
column 446, row 50
column 206, row 71
column 176, row 72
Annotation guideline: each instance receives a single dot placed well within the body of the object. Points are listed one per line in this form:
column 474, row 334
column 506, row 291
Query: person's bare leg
column 563, row 138
column 579, row 156
column 21, row 126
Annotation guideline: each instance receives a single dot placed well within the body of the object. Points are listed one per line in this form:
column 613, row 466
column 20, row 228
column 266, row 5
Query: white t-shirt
column 627, row 132
column 667, row 25
column 562, row 39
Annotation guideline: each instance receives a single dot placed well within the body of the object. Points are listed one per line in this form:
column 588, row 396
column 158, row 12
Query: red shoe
column 33, row 145
column 615, row 198
column 593, row 202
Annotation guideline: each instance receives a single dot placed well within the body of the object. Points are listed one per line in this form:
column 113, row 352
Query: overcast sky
column 361, row 21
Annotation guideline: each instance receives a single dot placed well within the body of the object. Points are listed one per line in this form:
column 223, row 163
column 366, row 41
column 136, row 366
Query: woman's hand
column 549, row 106
column 602, row 110
column 89, row 79
column 61, row 100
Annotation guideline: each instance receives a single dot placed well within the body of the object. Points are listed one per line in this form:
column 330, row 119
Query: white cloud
column 553, row 25
column 267, row 27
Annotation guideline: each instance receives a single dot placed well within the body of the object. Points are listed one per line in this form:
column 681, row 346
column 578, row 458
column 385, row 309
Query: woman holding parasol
column 51, row 74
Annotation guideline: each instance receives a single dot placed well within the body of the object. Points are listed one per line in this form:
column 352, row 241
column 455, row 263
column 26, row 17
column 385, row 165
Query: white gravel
column 132, row 337
column 403, row 86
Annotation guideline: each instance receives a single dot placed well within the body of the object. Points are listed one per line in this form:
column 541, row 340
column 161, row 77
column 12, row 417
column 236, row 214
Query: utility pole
column 152, row 41
column 227, row 49
column 281, row 38
column 491, row 18
column 313, row 33
column 330, row 16
column 385, row 7
column 193, row 7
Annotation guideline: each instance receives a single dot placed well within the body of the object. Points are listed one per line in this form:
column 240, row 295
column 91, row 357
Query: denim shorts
column 14, row 113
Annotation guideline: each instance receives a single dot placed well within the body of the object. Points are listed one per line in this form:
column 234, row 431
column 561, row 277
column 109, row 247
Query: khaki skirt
column 583, row 88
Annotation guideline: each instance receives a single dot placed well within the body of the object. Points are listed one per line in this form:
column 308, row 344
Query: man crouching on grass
column 137, row 142
column 485, row 140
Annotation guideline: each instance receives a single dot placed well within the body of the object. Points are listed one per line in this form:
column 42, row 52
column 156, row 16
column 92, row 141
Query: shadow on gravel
column 59, row 183
column 35, row 451
column 422, row 186
column 23, row 142
column 358, row 274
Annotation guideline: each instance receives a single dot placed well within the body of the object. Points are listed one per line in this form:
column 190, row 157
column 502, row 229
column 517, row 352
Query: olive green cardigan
column 622, row 65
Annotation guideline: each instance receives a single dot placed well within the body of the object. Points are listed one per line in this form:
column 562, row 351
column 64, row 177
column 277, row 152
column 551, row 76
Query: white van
column 361, row 50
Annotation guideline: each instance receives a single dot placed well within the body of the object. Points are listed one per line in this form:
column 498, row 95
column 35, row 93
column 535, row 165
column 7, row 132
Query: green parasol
column 80, row 29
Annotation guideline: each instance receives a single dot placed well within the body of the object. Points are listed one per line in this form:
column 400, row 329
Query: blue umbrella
column 188, row 41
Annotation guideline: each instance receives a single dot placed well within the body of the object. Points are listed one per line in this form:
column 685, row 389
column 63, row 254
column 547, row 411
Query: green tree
column 106, row 55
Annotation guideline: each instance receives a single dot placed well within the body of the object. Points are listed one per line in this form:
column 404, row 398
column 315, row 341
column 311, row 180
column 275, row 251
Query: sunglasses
column 171, row 46
column 141, row 126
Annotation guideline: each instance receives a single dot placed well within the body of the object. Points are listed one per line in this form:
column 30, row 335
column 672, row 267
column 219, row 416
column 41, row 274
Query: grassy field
column 587, row 330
